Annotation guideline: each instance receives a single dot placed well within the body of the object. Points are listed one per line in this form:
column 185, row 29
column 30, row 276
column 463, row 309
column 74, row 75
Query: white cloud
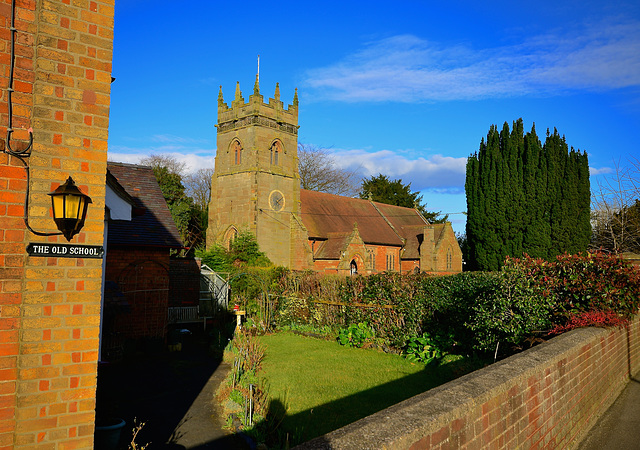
column 435, row 173
column 193, row 152
column 193, row 161
column 600, row 171
column 406, row 68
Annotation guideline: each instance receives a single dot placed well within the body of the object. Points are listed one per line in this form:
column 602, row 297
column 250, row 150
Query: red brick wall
column 380, row 261
column 381, row 253
column 142, row 275
column 409, row 265
column 50, row 307
column 546, row 397
column 184, row 282
column 12, row 262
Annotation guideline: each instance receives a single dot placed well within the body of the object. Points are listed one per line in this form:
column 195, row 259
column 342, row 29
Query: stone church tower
column 256, row 186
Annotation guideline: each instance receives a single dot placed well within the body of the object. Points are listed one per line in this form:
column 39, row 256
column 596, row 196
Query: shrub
column 590, row 319
column 423, row 349
column 510, row 310
column 468, row 312
column 244, row 250
column 216, row 258
column 355, row 335
column 294, row 311
column 585, row 282
column 242, row 383
column 243, row 253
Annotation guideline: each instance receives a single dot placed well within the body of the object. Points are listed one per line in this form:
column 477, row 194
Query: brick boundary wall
column 546, row 397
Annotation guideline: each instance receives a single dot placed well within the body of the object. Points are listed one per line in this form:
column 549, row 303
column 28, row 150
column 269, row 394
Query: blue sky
column 403, row 88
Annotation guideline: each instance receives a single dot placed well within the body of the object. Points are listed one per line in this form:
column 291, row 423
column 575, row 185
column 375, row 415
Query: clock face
column 276, row 200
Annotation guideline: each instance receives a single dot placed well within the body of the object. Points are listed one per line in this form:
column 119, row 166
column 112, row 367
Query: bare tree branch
column 168, row 161
column 319, row 172
column 616, row 210
column 198, row 186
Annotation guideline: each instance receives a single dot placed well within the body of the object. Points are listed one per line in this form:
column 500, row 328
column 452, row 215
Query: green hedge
column 468, row 312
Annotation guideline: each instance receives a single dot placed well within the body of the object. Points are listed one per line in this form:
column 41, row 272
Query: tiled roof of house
column 152, row 224
column 327, row 216
column 331, row 248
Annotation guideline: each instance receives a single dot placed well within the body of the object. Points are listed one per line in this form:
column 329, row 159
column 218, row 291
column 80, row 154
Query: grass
column 323, row 386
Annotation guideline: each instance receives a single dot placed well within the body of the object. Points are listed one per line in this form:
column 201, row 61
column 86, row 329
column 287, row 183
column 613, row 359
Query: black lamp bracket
column 25, row 153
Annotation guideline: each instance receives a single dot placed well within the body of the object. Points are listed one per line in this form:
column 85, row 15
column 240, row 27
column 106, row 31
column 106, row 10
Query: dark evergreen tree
column 525, row 197
column 381, row 189
column 188, row 217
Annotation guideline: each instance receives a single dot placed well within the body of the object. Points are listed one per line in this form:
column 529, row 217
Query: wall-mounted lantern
column 69, row 208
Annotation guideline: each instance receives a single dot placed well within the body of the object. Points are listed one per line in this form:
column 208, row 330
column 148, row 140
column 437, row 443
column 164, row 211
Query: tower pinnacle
column 256, row 85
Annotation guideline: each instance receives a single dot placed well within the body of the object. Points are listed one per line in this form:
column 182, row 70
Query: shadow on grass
column 306, row 425
column 283, row 430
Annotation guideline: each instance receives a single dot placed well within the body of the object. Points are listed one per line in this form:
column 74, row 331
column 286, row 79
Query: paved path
column 172, row 394
column 619, row 427
column 201, row 426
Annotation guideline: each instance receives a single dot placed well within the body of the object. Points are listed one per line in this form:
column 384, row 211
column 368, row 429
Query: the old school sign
column 65, row 250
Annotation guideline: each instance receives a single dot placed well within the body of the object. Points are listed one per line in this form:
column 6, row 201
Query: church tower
column 256, row 185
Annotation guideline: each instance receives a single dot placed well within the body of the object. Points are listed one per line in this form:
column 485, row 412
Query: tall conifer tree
column 525, row 197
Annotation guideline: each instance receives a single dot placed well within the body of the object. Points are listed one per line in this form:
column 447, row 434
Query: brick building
column 137, row 268
column 60, row 76
column 256, row 187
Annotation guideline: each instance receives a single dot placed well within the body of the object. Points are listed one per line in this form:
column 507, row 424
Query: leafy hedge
column 469, row 312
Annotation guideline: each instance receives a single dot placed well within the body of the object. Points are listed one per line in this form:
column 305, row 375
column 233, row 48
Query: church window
column 230, row 236
column 449, row 259
column 236, row 149
column 276, row 148
column 391, row 262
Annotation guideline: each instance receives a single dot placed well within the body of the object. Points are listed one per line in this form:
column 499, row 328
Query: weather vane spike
column 258, row 77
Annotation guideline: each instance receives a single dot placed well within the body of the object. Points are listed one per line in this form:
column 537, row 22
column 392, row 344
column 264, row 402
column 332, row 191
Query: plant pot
column 107, row 434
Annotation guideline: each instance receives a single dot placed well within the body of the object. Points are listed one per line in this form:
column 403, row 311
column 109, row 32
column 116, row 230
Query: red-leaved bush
column 590, row 319
column 592, row 289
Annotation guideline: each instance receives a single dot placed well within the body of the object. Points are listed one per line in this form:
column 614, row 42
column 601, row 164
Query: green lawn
column 324, row 386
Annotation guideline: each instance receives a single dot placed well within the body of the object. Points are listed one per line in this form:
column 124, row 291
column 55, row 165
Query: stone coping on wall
column 433, row 417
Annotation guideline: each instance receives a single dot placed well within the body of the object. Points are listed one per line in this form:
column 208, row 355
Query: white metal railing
column 184, row 314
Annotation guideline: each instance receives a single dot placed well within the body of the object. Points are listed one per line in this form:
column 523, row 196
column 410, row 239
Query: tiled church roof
column 328, row 216
column 153, row 225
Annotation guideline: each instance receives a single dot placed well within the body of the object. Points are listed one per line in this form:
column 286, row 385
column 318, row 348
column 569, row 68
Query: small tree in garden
column 248, row 270
column 243, row 252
